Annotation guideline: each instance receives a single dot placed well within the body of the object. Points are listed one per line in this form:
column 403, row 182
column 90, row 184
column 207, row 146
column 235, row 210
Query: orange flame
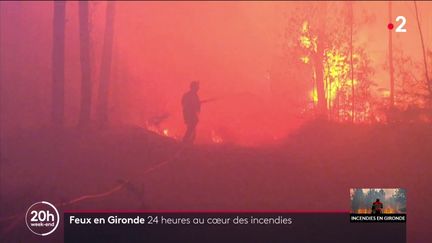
column 165, row 132
column 216, row 138
column 369, row 211
column 161, row 131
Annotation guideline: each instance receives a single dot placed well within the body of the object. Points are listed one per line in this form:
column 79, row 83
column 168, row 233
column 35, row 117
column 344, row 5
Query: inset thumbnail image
column 378, row 200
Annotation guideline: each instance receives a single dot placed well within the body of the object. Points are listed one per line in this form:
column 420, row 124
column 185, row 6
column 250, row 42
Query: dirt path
column 303, row 174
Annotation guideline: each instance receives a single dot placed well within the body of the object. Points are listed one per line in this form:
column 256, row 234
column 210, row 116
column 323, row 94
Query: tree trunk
column 105, row 71
column 86, row 84
column 319, row 67
column 1, row 114
column 319, row 62
column 428, row 81
column 391, row 69
column 58, row 54
column 351, row 62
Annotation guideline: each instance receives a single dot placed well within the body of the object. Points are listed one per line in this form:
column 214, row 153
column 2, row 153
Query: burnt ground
column 313, row 169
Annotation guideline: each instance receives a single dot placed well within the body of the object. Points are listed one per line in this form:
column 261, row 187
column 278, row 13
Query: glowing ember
column 216, row 138
column 161, row 131
column 165, row 132
column 152, row 128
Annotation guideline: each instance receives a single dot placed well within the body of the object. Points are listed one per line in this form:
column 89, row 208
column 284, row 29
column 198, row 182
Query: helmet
column 194, row 85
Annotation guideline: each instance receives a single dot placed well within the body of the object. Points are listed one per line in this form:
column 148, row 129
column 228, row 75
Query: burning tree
column 58, row 56
column 323, row 43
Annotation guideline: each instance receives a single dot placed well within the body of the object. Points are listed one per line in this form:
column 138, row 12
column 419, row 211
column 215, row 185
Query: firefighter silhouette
column 377, row 207
column 191, row 109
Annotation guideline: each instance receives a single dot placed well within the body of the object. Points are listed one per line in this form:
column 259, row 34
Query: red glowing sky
column 230, row 47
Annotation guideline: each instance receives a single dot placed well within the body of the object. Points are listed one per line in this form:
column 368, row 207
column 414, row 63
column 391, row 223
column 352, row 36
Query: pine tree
column 86, row 84
column 58, row 58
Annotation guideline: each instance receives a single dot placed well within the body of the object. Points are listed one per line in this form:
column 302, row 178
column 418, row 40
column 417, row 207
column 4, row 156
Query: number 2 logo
column 401, row 28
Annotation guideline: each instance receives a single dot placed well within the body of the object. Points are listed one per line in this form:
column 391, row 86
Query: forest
column 303, row 101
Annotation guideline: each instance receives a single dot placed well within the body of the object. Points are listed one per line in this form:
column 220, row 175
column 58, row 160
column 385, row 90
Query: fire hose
column 123, row 184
